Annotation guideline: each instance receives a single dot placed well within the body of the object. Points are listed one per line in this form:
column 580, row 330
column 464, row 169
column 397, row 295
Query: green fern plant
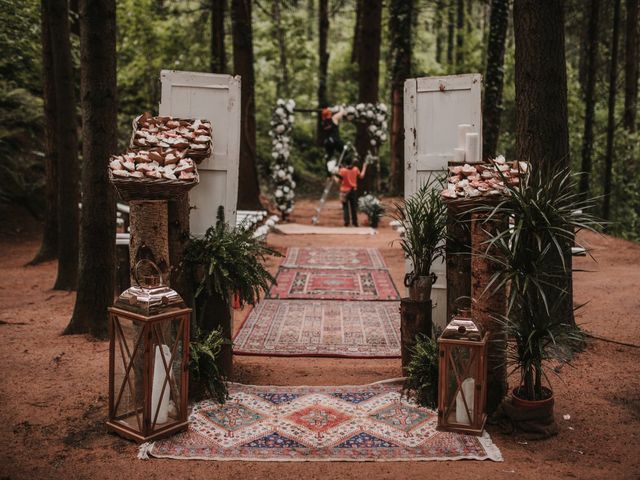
column 422, row 372
column 203, row 367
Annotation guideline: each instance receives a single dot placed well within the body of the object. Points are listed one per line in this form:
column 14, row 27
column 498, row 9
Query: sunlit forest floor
column 53, row 390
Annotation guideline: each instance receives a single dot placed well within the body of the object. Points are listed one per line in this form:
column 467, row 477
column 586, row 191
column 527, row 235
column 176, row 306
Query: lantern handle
column 146, row 260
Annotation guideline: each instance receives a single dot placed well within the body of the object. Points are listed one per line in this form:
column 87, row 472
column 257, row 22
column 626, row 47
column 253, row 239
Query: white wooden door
column 433, row 109
column 215, row 98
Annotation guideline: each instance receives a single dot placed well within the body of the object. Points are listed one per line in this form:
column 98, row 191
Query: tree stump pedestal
column 415, row 318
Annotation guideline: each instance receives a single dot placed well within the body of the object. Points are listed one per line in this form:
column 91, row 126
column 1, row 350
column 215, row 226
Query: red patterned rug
column 321, row 328
column 333, row 284
column 291, row 424
column 332, row 257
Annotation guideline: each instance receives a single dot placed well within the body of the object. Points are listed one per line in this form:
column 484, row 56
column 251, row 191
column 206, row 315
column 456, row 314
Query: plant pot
column 373, row 222
column 519, row 402
column 420, row 287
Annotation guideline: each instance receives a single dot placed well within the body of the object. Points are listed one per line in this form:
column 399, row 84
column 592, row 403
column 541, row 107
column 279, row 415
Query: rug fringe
column 493, row 452
column 144, row 450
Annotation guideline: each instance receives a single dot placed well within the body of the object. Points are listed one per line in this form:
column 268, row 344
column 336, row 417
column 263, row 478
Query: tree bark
column 49, row 246
column 542, row 133
column 460, row 36
column 99, row 142
column 541, row 83
column 357, row 32
column 178, row 238
column 591, row 58
column 323, row 66
column 149, row 235
column 451, row 27
column 400, row 16
column 368, row 76
column 631, row 67
column 493, row 80
column 57, row 12
column 458, row 255
column 613, row 75
column 487, row 306
column 282, row 83
column 218, row 54
column 249, row 194
column 437, row 29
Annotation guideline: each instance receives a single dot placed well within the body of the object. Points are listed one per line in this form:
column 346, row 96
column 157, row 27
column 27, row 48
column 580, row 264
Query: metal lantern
column 462, row 377
column 148, row 359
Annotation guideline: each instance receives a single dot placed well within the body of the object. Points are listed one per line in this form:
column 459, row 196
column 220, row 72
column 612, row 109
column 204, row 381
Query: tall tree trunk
column 357, row 31
column 608, row 169
column 218, row 54
column 591, row 58
column 542, row 132
column 57, row 12
column 400, row 16
column 631, row 67
column 99, row 142
column 437, row 29
column 249, row 194
column 49, row 246
column 451, row 27
column 368, row 76
column 460, row 36
column 323, row 58
column 493, row 80
column 282, row 84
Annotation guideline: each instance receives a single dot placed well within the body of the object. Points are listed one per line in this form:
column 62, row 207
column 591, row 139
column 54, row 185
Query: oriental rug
column 333, row 284
column 333, row 257
column 321, row 328
column 290, row 424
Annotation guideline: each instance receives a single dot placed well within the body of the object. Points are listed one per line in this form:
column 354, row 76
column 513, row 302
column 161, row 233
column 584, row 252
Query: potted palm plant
column 533, row 257
column 423, row 218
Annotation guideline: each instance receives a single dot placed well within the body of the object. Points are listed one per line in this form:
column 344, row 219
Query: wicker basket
column 151, row 188
column 196, row 155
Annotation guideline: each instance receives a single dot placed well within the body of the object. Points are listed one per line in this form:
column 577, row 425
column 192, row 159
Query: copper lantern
column 148, row 360
column 462, row 377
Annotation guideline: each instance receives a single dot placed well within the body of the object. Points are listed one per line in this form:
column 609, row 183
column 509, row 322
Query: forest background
column 447, row 37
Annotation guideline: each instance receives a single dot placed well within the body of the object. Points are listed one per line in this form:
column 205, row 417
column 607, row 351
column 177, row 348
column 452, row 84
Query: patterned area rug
column 353, row 423
column 332, row 284
column 298, row 229
column 331, row 257
column 321, row 328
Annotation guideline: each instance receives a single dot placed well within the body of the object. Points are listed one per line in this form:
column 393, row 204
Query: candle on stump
column 463, row 129
column 458, row 155
column 159, row 376
column 472, row 148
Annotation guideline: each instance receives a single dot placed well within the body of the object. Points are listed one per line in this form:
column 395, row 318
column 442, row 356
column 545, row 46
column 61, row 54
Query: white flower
column 280, row 129
column 274, row 155
column 293, row 184
column 281, row 173
column 285, row 189
column 360, row 106
column 289, row 210
column 380, row 118
column 369, row 114
column 382, row 107
column 290, row 168
column 291, row 119
column 280, row 111
column 372, row 128
column 383, row 125
column 383, row 137
column 278, row 193
column 291, row 104
column 373, row 142
column 270, row 223
column 282, row 207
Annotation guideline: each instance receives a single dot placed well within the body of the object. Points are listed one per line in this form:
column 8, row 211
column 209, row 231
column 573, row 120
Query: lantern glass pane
column 460, row 386
column 166, row 372
column 129, row 372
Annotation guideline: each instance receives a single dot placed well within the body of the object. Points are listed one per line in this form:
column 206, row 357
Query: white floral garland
column 282, row 172
column 282, row 120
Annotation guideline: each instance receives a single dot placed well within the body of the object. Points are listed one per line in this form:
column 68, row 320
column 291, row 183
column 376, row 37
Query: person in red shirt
column 348, row 176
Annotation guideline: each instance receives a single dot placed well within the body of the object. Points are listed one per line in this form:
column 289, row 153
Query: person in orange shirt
column 348, row 176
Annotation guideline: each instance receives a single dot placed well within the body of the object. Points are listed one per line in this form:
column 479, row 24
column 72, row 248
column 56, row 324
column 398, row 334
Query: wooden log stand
column 416, row 317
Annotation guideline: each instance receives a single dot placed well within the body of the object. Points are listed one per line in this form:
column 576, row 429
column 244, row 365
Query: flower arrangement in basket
column 190, row 137
column 372, row 207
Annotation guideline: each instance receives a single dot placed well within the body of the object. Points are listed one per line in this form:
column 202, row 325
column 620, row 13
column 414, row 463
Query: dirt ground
column 53, row 388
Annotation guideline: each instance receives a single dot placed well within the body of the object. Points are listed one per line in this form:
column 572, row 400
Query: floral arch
column 375, row 116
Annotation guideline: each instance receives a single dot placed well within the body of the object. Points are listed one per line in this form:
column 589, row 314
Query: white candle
column 159, row 376
column 463, row 129
column 458, row 154
column 472, row 148
column 467, row 388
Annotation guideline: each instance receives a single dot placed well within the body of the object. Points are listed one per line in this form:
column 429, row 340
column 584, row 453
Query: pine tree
column 218, row 54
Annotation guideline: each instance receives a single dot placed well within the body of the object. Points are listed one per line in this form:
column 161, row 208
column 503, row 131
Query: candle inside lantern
column 458, row 155
column 463, row 129
column 472, row 148
column 159, row 376
column 466, row 389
